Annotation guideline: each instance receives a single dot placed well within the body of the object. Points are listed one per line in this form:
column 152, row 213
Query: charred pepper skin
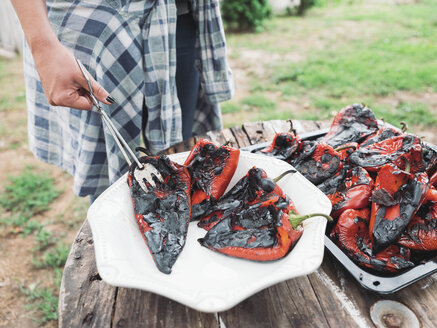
column 353, row 193
column 330, row 186
column 421, row 233
column 254, row 187
column 397, row 150
column 352, row 124
column 396, row 198
column 163, row 212
column 317, row 161
column 283, row 147
column 430, row 159
column 262, row 232
column 211, row 168
column 383, row 133
column 351, row 234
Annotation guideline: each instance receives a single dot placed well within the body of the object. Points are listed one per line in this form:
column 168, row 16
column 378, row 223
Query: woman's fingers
column 100, row 93
column 77, row 99
column 63, row 81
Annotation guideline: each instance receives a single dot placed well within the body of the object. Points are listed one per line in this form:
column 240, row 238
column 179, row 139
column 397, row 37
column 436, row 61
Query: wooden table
column 329, row 297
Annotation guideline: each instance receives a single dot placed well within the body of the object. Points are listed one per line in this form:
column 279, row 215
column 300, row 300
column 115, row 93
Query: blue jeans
column 187, row 77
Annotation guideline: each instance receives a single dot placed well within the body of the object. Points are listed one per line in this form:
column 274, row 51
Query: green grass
column 380, row 71
column 42, row 300
column 230, row 107
column 44, row 239
column 388, row 49
column 54, row 258
column 28, row 193
column 258, row 101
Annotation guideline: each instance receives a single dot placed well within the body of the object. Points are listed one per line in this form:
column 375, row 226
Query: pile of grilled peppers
column 382, row 185
column 255, row 220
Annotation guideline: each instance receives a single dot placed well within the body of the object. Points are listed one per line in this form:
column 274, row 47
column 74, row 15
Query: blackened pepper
column 396, row 198
column 352, row 124
column 283, row 146
column 353, row 193
column 351, row 234
column 211, row 168
column 254, row 187
column 317, row 161
column 421, row 233
column 261, row 232
column 162, row 211
column 397, row 150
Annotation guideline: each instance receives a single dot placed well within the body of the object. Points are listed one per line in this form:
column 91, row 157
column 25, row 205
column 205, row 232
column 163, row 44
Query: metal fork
column 143, row 173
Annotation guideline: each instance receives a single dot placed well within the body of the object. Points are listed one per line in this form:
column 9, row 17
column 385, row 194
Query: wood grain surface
column 329, row 297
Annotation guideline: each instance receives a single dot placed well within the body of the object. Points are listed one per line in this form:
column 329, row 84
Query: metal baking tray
column 383, row 283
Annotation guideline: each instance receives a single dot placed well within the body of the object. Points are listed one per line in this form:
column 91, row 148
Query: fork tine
column 149, row 175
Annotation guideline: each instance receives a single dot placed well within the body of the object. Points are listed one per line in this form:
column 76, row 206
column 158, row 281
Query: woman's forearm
column 61, row 78
column 35, row 23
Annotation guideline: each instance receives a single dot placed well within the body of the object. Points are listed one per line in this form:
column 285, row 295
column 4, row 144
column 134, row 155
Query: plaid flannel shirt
column 129, row 46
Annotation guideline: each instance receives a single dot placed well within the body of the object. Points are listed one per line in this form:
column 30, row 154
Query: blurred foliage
column 245, row 15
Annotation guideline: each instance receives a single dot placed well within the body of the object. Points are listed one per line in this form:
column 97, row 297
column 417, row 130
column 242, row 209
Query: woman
column 142, row 54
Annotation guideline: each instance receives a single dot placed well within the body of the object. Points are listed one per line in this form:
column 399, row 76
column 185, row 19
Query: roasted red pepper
column 346, row 150
column 317, row 161
column 421, row 233
column 396, row 198
column 283, row 147
column 352, row 124
column 262, row 232
column 351, row 233
column 211, row 170
column 353, row 193
column 254, row 187
column 397, row 150
column 330, row 186
column 431, row 194
column 433, row 180
column 380, row 135
column 162, row 210
column 430, row 159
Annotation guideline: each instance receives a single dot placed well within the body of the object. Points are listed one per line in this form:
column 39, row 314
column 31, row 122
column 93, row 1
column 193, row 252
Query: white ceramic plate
column 202, row 279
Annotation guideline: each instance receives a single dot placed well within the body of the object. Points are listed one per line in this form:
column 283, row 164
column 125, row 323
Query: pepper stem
column 404, row 126
column 291, row 126
column 354, row 147
column 283, row 175
column 296, row 219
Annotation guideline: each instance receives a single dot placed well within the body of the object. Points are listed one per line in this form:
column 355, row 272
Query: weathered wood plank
column 240, row 136
column 357, row 301
column 288, row 304
column 84, row 299
column 180, row 147
column 229, row 138
column 137, row 308
column 281, row 125
column 323, row 124
column 305, row 126
column 217, row 137
column 421, row 299
column 258, row 132
column 339, row 309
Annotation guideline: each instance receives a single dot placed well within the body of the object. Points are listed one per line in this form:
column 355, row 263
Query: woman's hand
column 63, row 81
